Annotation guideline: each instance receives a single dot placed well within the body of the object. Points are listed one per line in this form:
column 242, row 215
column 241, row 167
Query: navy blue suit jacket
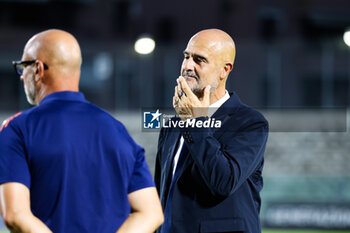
column 218, row 188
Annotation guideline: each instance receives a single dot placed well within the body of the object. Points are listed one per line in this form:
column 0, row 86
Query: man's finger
column 174, row 102
column 206, row 96
column 176, row 91
column 179, row 92
column 184, row 87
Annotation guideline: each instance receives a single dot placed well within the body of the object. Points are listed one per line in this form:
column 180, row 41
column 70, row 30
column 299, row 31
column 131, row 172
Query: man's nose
column 189, row 64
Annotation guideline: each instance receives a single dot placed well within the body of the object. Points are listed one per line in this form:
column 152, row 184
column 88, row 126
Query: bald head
column 57, row 64
column 218, row 42
column 57, row 48
column 208, row 60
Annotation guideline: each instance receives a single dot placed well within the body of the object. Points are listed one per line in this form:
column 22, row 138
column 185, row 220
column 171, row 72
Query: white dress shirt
column 211, row 110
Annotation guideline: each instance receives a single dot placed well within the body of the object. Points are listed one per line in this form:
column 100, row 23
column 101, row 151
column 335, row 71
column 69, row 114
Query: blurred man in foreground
column 66, row 165
column 208, row 175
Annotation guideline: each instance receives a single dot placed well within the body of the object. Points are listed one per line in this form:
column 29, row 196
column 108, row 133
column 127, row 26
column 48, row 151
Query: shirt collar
column 214, row 106
column 64, row 95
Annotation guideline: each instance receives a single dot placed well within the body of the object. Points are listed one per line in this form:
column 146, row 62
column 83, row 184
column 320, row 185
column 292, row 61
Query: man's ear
column 226, row 70
column 39, row 70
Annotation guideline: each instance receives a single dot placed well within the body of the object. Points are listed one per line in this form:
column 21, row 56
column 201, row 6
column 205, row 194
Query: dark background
column 290, row 53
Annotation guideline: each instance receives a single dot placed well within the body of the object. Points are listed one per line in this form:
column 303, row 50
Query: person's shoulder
column 106, row 118
column 115, row 127
column 6, row 122
column 104, row 114
column 17, row 119
column 252, row 113
column 246, row 119
column 245, row 115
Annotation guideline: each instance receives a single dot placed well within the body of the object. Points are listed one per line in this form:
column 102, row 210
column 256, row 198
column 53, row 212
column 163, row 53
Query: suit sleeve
column 226, row 163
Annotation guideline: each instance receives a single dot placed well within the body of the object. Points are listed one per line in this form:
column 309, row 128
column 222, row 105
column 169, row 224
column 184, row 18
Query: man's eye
column 186, row 57
column 198, row 60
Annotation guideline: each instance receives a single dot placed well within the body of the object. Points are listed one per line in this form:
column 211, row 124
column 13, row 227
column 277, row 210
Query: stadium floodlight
column 346, row 37
column 144, row 45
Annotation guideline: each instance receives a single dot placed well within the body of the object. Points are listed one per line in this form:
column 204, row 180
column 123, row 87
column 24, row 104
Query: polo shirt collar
column 64, row 95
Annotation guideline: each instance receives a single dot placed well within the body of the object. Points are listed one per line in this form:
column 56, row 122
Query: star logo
column 156, row 115
column 151, row 120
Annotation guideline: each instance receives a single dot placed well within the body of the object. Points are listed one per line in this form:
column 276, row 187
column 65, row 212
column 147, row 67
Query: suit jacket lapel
column 224, row 113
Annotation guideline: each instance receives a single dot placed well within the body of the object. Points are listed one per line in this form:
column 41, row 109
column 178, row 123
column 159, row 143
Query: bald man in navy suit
column 209, row 178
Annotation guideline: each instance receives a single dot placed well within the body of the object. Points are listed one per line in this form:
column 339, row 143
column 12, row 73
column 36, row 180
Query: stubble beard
column 196, row 86
column 199, row 91
column 29, row 89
